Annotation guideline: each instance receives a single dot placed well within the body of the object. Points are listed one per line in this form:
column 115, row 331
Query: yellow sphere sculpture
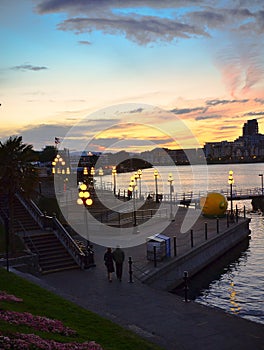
column 214, row 204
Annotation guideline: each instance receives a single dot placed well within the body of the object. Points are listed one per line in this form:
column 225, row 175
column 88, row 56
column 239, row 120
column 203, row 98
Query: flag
column 57, row 140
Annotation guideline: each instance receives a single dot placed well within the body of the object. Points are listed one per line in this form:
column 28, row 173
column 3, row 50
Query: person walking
column 109, row 263
column 119, row 257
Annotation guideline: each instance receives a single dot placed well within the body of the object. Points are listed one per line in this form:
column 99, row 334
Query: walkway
column 157, row 315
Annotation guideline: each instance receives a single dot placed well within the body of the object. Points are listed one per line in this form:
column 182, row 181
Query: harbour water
column 236, row 282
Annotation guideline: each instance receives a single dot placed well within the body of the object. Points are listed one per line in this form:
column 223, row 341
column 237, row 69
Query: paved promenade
column 161, row 317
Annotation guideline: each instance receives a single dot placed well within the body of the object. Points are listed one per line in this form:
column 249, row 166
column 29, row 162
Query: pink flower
column 9, row 297
column 37, row 322
column 22, row 341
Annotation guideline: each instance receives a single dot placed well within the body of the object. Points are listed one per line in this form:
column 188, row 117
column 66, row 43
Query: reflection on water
column 234, row 308
column 199, row 285
column 235, row 281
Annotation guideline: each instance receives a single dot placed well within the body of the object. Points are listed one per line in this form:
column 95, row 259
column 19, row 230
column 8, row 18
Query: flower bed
column 21, row 341
column 9, row 297
column 37, row 322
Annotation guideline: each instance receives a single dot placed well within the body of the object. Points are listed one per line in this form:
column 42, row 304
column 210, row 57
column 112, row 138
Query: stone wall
column 170, row 275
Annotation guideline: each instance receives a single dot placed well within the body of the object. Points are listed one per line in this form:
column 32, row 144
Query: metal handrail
column 68, row 242
column 36, row 214
column 25, row 235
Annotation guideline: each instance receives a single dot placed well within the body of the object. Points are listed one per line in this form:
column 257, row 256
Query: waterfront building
column 246, row 148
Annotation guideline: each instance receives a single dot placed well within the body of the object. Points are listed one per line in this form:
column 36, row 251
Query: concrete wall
column 170, row 275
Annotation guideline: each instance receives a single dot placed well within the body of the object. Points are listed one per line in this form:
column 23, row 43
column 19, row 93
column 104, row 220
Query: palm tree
column 16, row 173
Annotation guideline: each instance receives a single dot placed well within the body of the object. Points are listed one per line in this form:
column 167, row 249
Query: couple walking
column 116, row 257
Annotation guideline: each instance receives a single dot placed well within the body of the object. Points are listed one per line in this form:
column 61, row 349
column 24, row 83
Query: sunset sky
column 62, row 61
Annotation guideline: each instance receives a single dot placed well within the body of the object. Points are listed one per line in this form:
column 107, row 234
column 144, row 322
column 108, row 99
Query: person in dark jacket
column 109, row 263
column 119, row 257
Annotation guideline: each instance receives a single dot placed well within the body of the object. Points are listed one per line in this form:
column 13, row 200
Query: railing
column 182, row 244
column 32, row 209
column 188, row 196
column 46, row 222
column 35, row 250
column 68, row 242
column 131, row 216
column 35, row 254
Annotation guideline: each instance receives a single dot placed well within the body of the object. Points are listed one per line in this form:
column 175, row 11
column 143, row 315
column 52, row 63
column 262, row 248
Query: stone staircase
column 53, row 256
column 23, row 222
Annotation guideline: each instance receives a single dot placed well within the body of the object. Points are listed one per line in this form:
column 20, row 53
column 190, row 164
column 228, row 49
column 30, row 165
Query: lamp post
column 261, row 175
column 231, row 183
column 139, row 172
column 170, row 181
column 136, row 177
column 85, row 175
column 156, row 174
column 114, row 178
column 101, row 173
column 92, row 172
column 58, row 167
column 85, row 200
column 132, row 187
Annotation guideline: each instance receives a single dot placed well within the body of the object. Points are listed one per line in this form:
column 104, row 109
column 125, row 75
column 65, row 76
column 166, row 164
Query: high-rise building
column 250, row 128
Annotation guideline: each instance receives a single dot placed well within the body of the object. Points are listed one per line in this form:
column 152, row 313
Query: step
column 45, row 244
column 45, row 272
column 60, row 258
column 58, row 265
column 59, row 262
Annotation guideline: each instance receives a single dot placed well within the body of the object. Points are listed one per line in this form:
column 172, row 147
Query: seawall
column 170, row 275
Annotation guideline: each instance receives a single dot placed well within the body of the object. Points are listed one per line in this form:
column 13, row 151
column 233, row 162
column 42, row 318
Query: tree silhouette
column 16, row 173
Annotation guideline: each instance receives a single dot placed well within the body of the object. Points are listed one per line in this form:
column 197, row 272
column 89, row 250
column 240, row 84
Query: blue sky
column 63, row 60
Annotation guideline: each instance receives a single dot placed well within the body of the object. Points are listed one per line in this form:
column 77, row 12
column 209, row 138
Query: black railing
column 52, row 223
column 68, row 242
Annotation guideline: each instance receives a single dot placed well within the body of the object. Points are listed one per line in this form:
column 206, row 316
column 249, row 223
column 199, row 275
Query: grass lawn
column 88, row 325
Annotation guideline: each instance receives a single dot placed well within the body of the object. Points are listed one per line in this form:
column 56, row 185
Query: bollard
column 244, row 211
column 217, row 225
column 186, row 288
column 191, row 238
column 236, row 214
column 227, row 220
column 130, row 270
column 155, row 255
column 174, row 245
column 205, row 231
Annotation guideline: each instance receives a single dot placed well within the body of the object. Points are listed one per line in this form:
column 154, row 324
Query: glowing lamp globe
column 214, row 204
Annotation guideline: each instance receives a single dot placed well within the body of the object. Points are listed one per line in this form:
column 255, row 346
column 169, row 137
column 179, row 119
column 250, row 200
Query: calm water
column 236, row 282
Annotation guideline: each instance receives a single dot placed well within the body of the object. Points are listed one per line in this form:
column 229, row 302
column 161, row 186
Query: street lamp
column 132, row 187
column 231, row 183
column 170, row 181
column 58, row 167
column 85, row 200
column 261, row 175
column 85, row 174
column 139, row 172
column 156, row 174
column 92, row 172
column 101, row 173
column 114, row 178
column 136, row 177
